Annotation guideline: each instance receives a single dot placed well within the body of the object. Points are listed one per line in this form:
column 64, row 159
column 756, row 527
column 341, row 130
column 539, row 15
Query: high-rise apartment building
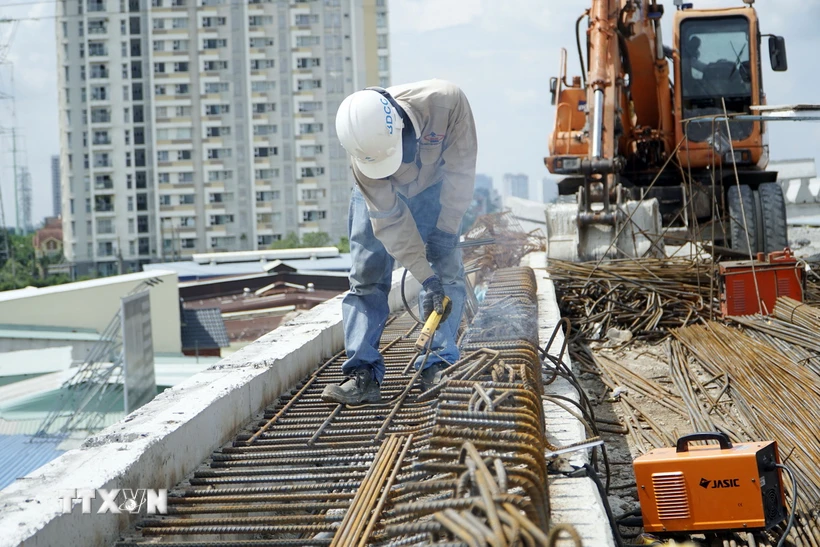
column 483, row 182
column 56, row 204
column 517, row 186
column 201, row 125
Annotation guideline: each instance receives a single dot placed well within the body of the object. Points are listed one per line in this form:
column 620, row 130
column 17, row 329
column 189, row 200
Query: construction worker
column 413, row 151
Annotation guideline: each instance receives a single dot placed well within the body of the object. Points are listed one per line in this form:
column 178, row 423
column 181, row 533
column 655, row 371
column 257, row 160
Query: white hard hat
column 369, row 128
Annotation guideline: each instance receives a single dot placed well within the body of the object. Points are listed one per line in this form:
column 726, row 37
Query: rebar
column 461, row 463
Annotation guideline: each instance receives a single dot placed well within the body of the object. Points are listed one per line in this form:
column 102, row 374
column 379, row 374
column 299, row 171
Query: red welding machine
column 741, row 282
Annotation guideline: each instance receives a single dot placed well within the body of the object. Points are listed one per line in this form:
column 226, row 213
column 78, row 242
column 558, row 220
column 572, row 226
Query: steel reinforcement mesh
column 460, row 464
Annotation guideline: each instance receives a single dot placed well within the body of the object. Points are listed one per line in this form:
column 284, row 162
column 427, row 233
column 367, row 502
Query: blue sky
column 501, row 52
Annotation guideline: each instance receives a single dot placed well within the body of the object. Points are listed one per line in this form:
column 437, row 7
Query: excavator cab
column 654, row 140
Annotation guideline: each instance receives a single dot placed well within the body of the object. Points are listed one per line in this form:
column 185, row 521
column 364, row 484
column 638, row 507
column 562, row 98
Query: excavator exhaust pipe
column 630, row 229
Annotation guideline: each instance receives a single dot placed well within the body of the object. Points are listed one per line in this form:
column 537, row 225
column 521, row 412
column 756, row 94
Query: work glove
column 434, row 298
column 440, row 244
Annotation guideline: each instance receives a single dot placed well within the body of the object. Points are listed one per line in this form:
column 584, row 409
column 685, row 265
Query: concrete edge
column 164, row 441
column 572, row 501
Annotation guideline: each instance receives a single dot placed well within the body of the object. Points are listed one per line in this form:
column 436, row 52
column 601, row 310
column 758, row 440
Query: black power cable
column 794, row 504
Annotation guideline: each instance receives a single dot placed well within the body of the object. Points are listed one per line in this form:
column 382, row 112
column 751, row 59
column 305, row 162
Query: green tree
column 343, row 245
column 290, row 241
column 316, row 239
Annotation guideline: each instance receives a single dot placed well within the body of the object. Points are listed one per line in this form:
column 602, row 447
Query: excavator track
column 462, row 464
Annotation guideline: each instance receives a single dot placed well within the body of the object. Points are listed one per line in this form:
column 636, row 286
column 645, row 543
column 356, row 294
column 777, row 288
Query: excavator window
column 715, row 67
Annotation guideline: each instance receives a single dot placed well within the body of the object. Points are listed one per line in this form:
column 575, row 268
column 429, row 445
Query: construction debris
column 510, row 243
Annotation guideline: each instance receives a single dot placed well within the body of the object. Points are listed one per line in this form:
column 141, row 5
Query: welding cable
column 794, row 504
column 404, row 299
column 563, row 370
column 613, row 524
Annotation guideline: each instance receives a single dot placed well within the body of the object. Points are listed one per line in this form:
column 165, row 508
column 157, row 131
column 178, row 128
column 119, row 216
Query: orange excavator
column 661, row 141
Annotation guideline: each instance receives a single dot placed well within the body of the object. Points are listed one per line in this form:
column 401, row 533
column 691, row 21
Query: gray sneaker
column 361, row 387
column 431, row 376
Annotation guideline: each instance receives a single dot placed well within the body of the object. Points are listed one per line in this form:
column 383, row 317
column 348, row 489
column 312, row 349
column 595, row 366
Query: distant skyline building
column 55, row 186
column 25, row 200
column 549, row 190
column 483, row 182
column 193, row 126
column 517, row 185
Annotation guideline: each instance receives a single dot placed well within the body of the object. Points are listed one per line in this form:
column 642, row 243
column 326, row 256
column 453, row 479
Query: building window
column 187, row 199
column 308, row 172
column 162, row 155
column 307, row 85
column 264, row 151
column 96, row 5
column 381, row 41
column 180, row 45
column 262, row 108
column 308, row 128
column 159, row 90
column 219, row 220
column 260, row 20
column 184, row 178
column 181, row 89
column 262, row 86
column 188, row 243
column 217, row 87
column 215, row 65
column 311, row 150
column 304, row 19
column 261, row 64
column 159, row 45
column 312, row 216
column 217, row 197
column 261, row 130
column 159, row 68
column 217, row 131
column 183, row 155
column 261, row 42
column 165, row 200
column 164, row 178
column 216, row 109
column 266, row 195
column 181, row 67
column 99, row 70
column 219, row 153
column 183, row 112
column 214, row 43
column 179, row 22
column 158, row 24
column 213, row 21
column 214, row 176
column 383, row 63
column 308, row 62
column 307, row 41
column 266, row 174
column 105, row 226
column 310, row 106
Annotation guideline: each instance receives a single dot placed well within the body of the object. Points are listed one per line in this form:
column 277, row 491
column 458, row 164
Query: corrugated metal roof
column 20, row 455
column 203, row 328
column 188, row 270
column 47, row 333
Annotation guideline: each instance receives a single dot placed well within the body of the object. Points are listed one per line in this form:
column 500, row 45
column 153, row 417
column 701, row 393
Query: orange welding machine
column 710, row 488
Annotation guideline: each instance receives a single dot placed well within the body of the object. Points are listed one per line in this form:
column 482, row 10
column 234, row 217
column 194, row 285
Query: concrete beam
column 164, row 441
column 573, row 501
